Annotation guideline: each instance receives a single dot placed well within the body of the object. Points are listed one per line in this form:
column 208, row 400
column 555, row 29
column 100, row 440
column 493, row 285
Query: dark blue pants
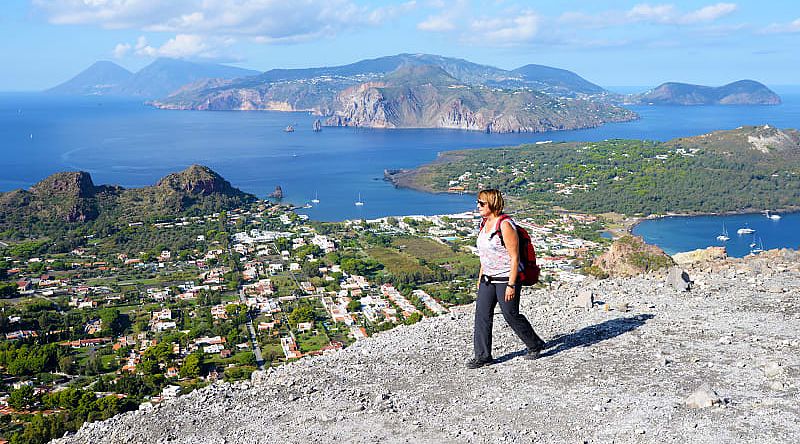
column 489, row 294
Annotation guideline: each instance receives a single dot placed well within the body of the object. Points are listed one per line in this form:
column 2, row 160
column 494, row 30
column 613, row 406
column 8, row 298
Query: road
column 253, row 337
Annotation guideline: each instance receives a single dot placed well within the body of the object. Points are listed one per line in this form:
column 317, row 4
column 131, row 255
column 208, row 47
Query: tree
column 192, row 365
column 246, row 358
column 65, row 364
column 301, row 313
column 22, row 398
column 413, row 318
column 40, row 429
column 8, row 289
column 112, row 321
column 354, row 305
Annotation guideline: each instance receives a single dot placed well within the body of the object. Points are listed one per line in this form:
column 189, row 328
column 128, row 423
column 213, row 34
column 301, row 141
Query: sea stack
column 278, row 193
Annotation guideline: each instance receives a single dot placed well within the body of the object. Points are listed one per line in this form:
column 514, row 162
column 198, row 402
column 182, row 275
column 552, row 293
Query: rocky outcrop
column 701, row 255
column 196, row 179
column 630, row 255
column 277, row 194
column 72, row 197
column 626, row 370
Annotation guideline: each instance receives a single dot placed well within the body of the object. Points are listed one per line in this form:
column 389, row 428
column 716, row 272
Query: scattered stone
column 703, row 397
column 678, row 279
column 772, row 369
column 585, row 299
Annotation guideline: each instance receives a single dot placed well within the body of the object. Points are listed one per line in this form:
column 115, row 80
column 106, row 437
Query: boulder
column 678, row 279
column 702, row 398
column 585, row 299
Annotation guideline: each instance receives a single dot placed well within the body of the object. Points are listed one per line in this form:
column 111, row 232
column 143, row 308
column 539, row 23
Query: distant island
column 157, row 79
column 743, row 92
column 745, row 169
column 403, row 91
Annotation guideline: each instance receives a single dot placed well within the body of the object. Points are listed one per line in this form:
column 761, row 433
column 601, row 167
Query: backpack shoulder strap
column 503, row 217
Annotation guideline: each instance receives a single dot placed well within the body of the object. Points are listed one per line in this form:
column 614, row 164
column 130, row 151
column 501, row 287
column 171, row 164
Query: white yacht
column 745, row 230
column 773, row 216
column 724, row 236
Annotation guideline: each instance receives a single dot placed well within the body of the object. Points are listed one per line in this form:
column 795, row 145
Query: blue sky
column 45, row 42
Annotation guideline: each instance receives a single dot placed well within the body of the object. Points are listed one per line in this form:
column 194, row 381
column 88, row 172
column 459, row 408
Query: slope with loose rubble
column 618, row 372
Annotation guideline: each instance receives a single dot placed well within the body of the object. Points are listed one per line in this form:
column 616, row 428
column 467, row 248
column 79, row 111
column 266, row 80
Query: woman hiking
column 497, row 281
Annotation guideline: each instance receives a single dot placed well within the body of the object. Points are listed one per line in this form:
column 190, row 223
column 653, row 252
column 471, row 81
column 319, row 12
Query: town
column 101, row 329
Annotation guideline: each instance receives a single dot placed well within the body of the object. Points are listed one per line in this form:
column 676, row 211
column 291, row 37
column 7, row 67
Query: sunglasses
column 480, row 203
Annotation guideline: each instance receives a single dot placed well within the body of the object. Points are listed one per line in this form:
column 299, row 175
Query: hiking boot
column 533, row 353
column 478, row 363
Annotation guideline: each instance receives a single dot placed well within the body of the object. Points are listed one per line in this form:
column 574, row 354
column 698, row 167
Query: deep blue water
column 676, row 234
column 130, row 144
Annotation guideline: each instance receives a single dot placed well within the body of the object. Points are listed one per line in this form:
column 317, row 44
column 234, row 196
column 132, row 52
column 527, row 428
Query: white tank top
column 495, row 259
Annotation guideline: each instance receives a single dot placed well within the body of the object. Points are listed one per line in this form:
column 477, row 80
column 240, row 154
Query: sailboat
column 773, row 216
column 758, row 249
column 315, row 199
column 724, row 236
column 359, row 202
column 317, row 126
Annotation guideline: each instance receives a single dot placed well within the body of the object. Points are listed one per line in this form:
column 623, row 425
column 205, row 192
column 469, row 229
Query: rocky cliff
column 627, row 369
column 428, row 97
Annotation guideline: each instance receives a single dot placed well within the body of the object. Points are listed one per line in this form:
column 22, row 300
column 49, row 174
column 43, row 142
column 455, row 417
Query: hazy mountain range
column 157, row 79
column 403, row 91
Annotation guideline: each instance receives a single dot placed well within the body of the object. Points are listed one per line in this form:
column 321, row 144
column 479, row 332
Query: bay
column 130, row 144
column 676, row 234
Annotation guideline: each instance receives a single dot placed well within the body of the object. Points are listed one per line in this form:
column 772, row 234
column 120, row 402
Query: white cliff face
column 632, row 368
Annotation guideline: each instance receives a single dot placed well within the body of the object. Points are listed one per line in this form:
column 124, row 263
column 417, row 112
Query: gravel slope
column 608, row 375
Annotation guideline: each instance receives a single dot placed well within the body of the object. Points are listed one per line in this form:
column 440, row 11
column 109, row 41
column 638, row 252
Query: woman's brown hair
column 494, row 199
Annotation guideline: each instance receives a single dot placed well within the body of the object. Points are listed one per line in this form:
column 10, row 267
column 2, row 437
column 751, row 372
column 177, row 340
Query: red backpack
column 529, row 275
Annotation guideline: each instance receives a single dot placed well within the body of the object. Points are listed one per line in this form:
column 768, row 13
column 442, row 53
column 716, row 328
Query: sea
column 125, row 142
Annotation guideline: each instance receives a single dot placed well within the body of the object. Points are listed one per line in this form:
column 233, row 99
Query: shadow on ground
column 586, row 336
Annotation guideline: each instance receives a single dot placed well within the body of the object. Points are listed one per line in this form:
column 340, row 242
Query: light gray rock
column 703, row 397
column 585, row 299
column 772, row 369
column 678, row 279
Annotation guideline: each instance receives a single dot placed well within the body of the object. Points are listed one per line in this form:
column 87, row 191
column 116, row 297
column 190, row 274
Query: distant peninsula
column 747, row 169
column 743, row 92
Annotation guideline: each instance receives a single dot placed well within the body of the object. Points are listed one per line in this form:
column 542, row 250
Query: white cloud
column 185, row 46
column 121, row 50
column 651, row 13
column 782, row 28
column 271, row 20
column 664, row 14
column 437, row 23
column 518, row 29
column 709, row 13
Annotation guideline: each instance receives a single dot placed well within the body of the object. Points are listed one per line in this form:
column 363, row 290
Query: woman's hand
column 510, row 293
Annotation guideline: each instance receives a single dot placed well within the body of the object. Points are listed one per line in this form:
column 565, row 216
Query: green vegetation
column 629, row 176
